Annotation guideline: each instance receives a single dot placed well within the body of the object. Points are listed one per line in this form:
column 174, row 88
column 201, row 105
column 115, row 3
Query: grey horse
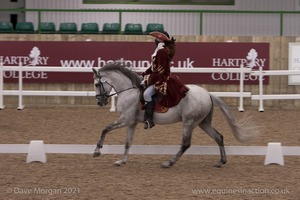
column 196, row 109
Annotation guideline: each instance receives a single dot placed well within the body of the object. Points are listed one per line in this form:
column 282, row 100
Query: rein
column 119, row 91
column 110, row 95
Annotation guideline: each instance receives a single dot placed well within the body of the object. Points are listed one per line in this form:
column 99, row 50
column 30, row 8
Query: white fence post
column 242, row 76
column 21, row 106
column 261, row 90
column 1, row 86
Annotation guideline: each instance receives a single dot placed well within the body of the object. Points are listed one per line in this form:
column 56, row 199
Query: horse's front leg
column 129, row 137
column 116, row 124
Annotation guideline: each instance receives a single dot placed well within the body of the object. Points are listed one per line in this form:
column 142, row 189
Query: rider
column 158, row 80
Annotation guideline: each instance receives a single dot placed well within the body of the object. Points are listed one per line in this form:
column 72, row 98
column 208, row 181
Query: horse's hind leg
column 207, row 127
column 186, row 143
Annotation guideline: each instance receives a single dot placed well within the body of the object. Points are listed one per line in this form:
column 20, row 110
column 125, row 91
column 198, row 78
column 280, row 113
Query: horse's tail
column 244, row 129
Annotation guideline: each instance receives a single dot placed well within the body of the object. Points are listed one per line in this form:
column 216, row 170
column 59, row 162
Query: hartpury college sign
column 136, row 54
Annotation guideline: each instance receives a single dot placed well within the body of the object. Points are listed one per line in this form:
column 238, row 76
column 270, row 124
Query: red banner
column 97, row 54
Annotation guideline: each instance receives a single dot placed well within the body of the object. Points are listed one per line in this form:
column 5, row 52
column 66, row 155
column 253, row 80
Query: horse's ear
column 94, row 70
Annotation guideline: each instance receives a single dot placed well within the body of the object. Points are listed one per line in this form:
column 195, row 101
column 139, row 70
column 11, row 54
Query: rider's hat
column 162, row 36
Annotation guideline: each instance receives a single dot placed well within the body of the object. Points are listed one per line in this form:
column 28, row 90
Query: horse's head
column 114, row 75
column 102, row 88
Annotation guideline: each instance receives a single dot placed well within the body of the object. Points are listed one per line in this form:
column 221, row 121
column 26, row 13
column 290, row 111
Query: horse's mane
column 121, row 68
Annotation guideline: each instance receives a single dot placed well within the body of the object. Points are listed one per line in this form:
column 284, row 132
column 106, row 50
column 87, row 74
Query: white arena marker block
column 36, row 152
column 274, row 154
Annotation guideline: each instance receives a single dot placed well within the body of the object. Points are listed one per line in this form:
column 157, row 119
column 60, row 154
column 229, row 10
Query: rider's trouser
column 148, row 93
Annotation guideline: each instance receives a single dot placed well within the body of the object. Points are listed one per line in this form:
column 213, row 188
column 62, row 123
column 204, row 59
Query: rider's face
column 156, row 42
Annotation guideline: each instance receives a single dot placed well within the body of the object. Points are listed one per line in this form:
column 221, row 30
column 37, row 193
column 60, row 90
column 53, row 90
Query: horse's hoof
column 119, row 163
column 219, row 164
column 165, row 164
column 96, row 154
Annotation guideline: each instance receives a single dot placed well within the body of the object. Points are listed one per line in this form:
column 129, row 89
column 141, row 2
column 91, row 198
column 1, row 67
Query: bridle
column 104, row 95
column 100, row 84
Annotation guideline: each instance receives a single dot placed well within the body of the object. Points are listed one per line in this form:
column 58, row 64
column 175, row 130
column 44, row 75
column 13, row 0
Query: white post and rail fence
column 241, row 94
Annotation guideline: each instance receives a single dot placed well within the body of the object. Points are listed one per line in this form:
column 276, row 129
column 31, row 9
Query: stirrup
column 148, row 124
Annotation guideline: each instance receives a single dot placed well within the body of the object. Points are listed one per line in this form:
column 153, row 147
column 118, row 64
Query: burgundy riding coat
column 159, row 75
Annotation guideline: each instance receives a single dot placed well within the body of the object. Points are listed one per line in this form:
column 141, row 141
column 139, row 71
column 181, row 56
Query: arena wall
column 278, row 61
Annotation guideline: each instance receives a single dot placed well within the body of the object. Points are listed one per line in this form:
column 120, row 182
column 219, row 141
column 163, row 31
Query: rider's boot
column 148, row 116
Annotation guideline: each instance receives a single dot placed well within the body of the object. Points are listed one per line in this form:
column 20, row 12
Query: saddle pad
column 160, row 109
column 157, row 108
